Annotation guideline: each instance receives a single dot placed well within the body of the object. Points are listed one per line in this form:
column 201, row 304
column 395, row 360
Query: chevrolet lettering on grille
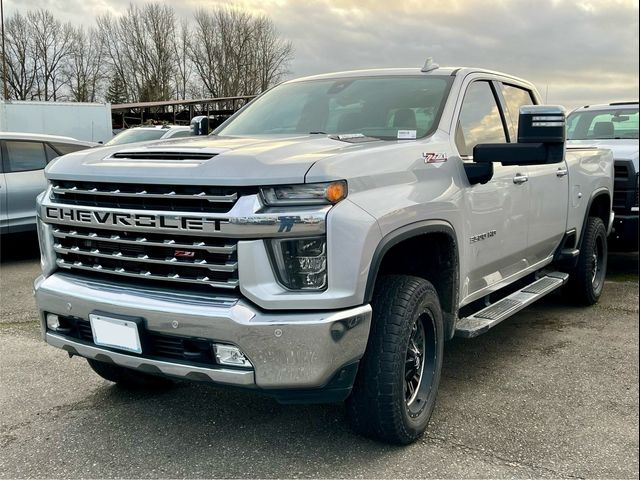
column 122, row 219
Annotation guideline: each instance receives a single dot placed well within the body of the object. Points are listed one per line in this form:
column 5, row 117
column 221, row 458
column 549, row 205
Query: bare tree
column 52, row 41
column 21, row 59
column 140, row 48
column 144, row 55
column 235, row 53
column 271, row 55
column 85, row 68
column 184, row 67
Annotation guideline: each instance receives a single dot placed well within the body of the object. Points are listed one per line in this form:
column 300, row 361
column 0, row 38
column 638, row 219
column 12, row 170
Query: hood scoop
column 167, row 155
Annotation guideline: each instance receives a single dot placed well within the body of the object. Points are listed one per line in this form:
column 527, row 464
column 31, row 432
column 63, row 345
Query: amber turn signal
column 336, row 191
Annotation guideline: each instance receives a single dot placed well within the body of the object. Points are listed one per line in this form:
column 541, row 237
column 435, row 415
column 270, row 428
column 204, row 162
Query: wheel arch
column 599, row 206
column 396, row 254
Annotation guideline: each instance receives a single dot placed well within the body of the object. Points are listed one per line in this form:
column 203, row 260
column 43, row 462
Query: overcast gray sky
column 582, row 51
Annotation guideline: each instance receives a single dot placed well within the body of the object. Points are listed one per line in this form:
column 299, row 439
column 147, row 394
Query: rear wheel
column 128, row 378
column 395, row 390
column 586, row 281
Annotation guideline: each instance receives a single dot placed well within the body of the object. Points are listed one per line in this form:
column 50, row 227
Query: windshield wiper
column 354, row 137
column 317, row 133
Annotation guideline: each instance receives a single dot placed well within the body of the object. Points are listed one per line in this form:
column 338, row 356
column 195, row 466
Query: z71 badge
column 434, row 157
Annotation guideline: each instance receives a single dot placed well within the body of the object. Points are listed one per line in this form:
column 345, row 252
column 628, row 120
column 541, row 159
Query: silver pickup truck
column 614, row 127
column 325, row 241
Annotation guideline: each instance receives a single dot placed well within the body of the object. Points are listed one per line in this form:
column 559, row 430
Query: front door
column 497, row 222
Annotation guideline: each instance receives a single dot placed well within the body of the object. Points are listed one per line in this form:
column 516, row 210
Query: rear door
column 549, row 186
column 497, row 220
column 24, row 164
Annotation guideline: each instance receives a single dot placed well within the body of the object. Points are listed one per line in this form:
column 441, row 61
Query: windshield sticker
column 434, row 158
column 406, row 134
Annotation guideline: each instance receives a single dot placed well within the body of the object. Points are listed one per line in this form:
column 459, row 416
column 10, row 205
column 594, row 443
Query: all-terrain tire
column 380, row 404
column 128, row 378
column 586, row 280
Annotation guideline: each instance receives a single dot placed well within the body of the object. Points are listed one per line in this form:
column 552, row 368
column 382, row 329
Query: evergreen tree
column 116, row 92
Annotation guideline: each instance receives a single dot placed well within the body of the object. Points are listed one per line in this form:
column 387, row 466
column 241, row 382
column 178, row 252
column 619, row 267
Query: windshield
column 382, row 107
column 603, row 124
column 137, row 135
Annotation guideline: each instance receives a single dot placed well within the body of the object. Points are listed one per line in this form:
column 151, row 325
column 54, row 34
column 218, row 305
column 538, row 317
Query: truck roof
column 451, row 71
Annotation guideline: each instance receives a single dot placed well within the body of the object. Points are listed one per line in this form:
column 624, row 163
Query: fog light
column 230, row 355
column 53, row 321
column 301, row 263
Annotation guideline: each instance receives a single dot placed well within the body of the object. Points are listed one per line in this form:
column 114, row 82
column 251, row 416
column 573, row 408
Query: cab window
column 65, row 148
column 514, row 98
column 23, row 156
column 479, row 120
column 609, row 124
column 181, row 133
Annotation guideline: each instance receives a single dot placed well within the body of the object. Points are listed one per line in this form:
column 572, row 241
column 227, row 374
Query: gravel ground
column 552, row 392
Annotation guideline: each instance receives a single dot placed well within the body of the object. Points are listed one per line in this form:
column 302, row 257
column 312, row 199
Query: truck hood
column 260, row 160
column 623, row 149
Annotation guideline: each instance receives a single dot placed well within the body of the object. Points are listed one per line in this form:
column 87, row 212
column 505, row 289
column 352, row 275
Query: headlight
column 305, row 194
column 301, row 264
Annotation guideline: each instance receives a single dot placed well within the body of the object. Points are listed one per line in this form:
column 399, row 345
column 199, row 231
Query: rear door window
column 51, row 153
column 24, row 156
column 65, row 148
column 514, row 98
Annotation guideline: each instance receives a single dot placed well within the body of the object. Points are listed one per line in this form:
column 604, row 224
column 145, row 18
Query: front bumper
column 291, row 350
column 625, row 232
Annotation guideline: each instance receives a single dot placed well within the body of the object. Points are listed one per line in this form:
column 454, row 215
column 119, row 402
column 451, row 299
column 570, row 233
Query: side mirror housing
column 541, row 139
column 200, row 125
column 542, row 124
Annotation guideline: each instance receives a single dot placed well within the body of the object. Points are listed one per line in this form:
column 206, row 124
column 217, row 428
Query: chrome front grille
column 170, row 198
column 161, row 236
column 149, row 257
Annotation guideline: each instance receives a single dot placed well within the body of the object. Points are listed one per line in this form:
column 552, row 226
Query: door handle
column 561, row 172
column 519, row 178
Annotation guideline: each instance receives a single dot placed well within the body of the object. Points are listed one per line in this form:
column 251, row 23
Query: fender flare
column 598, row 192
column 406, row 232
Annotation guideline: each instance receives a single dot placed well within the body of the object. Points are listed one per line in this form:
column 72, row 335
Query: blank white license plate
column 115, row 333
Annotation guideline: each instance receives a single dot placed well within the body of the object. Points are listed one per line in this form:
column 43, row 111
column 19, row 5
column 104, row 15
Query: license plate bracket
column 118, row 333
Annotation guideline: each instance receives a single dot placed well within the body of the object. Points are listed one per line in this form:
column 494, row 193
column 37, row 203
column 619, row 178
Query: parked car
column 149, row 133
column 614, row 126
column 326, row 241
column 23, row 158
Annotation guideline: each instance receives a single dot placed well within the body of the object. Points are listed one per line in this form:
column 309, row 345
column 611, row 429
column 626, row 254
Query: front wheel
column 395, row 391
column 586, row 281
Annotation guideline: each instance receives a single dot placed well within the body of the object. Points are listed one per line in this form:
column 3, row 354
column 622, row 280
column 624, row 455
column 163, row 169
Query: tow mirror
column 541, row 139
column 541, row 124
